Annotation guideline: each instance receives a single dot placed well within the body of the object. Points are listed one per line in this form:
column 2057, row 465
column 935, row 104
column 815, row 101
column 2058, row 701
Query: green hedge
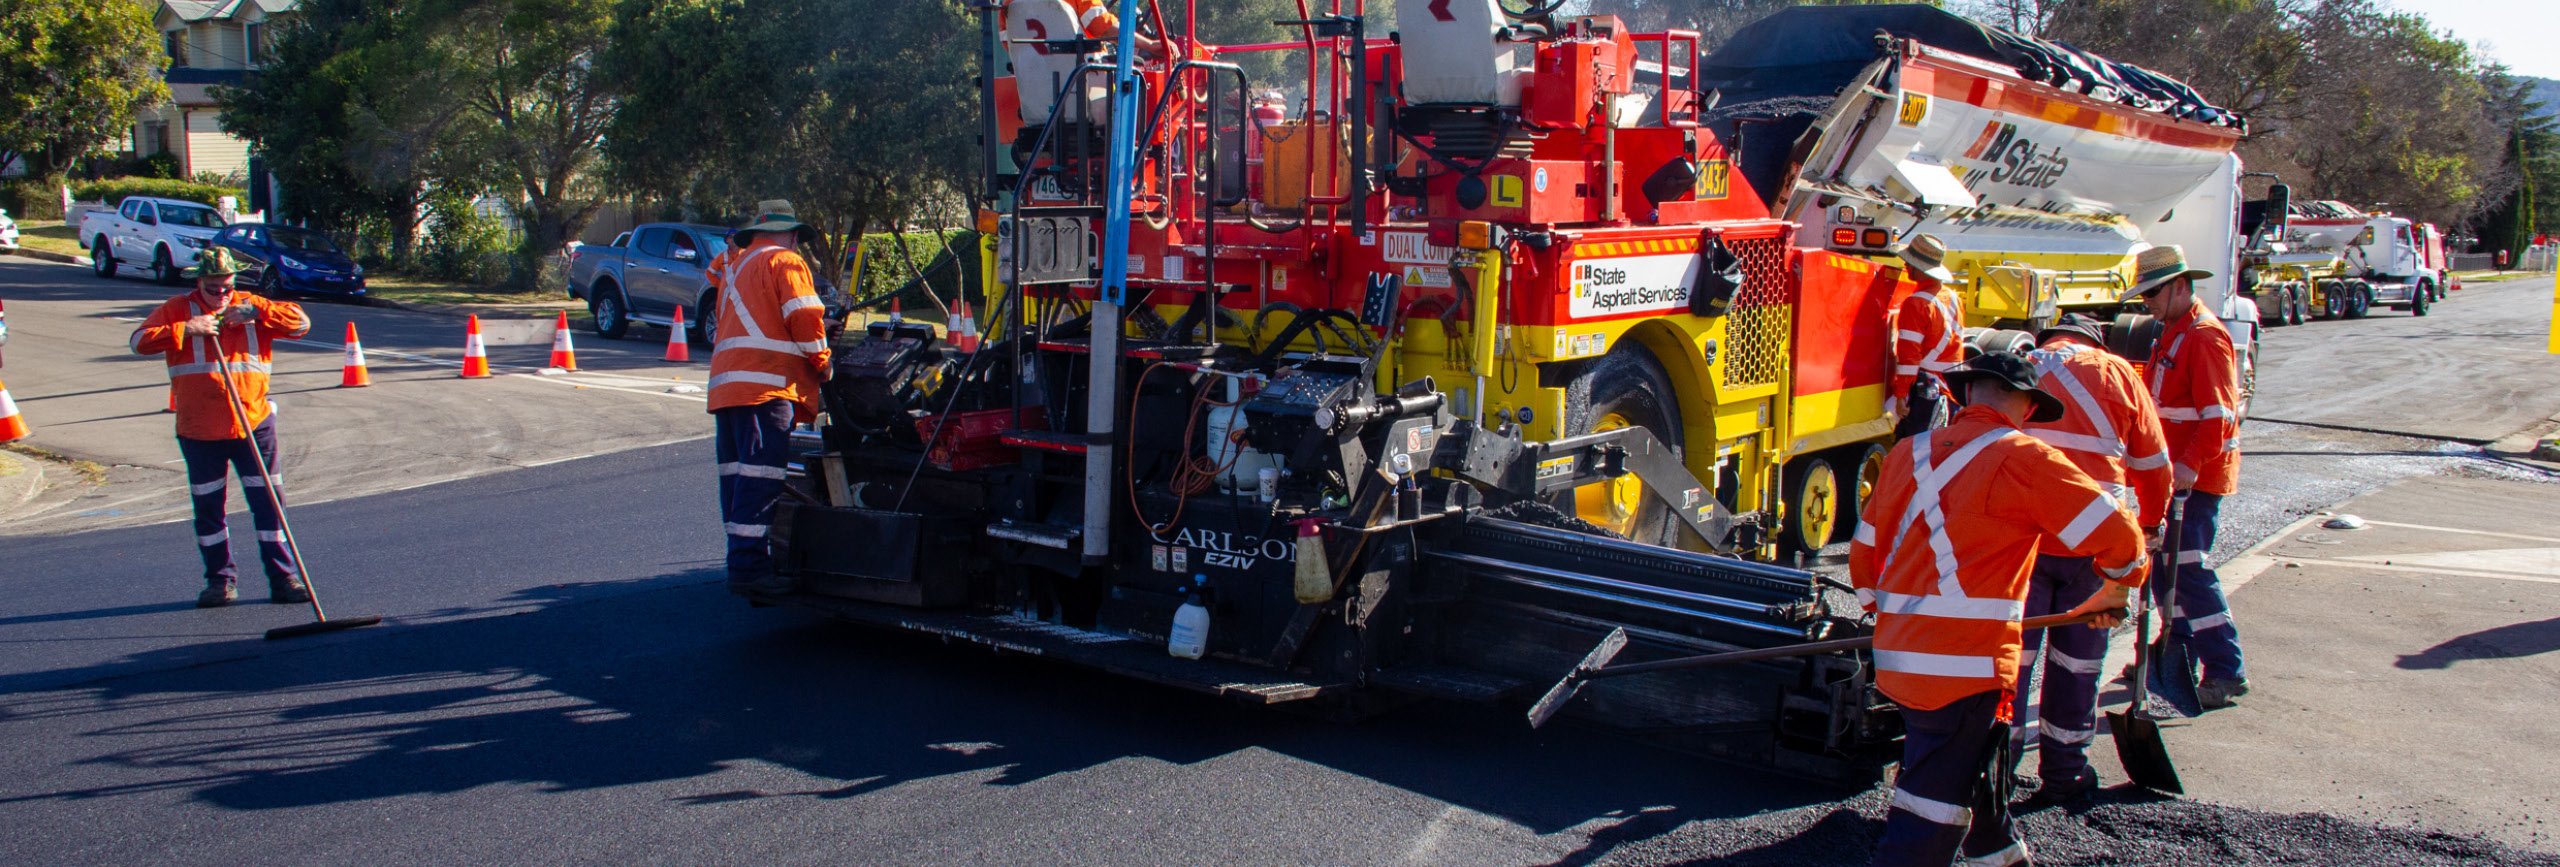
column 884, row 272
column 114, row 190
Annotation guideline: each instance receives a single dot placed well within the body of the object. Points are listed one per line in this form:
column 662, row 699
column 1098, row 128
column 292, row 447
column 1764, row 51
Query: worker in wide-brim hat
column 1943, row 565
column 768, row 355
column 2110, row 430
column 2195, row 379
column 199, row 333
column 1928, row 339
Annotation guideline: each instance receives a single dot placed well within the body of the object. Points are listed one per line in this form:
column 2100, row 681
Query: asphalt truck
column 1509, row 333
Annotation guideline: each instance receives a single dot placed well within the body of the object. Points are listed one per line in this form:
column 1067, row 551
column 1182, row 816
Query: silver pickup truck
column 645, row 273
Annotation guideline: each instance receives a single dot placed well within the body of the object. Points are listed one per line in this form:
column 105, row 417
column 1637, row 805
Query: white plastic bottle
column 1190, row 636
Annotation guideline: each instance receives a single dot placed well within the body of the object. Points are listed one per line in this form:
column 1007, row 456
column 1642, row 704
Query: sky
column 2523, row 34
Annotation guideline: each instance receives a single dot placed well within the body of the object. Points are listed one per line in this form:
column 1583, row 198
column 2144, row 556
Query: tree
column 76, row 72
column 525, row 71
column 855, row 110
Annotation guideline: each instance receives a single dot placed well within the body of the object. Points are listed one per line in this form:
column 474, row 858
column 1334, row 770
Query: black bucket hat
column 2073, row 323
column 2011, row 371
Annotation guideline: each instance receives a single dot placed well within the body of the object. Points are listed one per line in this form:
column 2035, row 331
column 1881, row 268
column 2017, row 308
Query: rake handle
column 1808, row 649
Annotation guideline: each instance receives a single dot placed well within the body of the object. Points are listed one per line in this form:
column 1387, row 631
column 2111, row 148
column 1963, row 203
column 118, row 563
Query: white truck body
column 163, row 235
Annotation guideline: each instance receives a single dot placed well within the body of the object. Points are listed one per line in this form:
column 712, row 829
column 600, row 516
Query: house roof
column 191, row 11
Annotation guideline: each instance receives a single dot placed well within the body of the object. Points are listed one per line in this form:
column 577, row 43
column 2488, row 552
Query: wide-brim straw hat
column 1927, row 256
column 2156, row 266
column 216, row 262
column 775, row 215
column 2012, row 371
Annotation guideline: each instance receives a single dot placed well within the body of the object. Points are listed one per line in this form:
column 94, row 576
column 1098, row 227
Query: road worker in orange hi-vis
column 2195, row 378
column 200, row 334
column 2110, row 430
column 1941, row 558
column 767, row 359
column 1069, row 19
column 1928, row 340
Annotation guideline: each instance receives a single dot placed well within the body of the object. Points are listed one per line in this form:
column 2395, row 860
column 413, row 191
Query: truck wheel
column 1813, row 503
column 2301, row 306
column 162, row 269
column 2359, row 301
column 612, row 319
column 2419, row 298
column 705, row 327
column 2131, row 335
column 1625, row 388
column 101, row 261
column 2333, row 302
column 1870, row 472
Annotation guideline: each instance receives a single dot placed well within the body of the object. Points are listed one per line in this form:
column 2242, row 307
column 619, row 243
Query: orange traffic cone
column 173, row 400
column 964, row 327
column 11, row 426
column 475, row 356
column 894, row 317
column 563, row 355
column 677, row 348
column 355, row 375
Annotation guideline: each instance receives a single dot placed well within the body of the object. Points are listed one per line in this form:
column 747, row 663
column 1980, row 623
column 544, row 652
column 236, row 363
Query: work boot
column 217, row 594
column 288, row 591
column 2219, row 692
column 2064, row 790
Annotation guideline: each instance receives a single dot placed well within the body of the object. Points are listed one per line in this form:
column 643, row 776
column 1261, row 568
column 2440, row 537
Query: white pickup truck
column 163, row 235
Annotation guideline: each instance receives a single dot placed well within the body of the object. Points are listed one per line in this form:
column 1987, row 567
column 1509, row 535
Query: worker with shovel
column 204, row 334
column 2195, row 380
column 2110, row 430
column 1942, row 555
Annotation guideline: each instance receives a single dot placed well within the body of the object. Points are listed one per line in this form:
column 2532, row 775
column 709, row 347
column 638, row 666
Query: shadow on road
column 683, row 681
column 2511, row 641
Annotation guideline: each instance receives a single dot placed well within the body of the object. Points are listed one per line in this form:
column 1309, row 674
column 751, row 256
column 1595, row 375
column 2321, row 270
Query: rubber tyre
column 2359, row 302
column 2301, row 306
column 271, row 284
column 1814, row 502
column 2333, row 304
column 2419, row 300
column 612, row 318
column 1629, row 384
column 163, row 270
column 101, row 261
column 704, row 328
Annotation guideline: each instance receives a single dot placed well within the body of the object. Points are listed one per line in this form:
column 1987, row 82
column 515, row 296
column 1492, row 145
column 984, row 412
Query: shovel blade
column 1564, row 690
column 2173, row 676
column 2144, row 754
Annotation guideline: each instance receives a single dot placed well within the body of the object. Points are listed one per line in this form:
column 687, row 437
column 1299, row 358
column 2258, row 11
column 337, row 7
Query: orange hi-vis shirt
column 1928, row 335
column 2195, row 378
column 2109, row 427
column 772, row 342
column 195, row 386
column 1945, row 546
column 1094, row 19
column 717, row 272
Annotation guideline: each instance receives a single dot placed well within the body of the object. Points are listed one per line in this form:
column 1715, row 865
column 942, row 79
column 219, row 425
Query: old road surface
column 563, row 681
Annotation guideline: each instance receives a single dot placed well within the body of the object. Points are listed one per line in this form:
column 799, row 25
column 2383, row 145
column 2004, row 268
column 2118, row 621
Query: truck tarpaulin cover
column 1778, row 74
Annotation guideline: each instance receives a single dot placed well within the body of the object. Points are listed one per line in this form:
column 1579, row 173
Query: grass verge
column 93, row 472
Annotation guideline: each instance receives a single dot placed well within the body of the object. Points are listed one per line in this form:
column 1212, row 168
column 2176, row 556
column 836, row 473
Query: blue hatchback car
column 293, row 259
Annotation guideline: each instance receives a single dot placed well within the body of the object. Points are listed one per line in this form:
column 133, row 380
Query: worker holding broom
column 1941, row 557
column 201, row 333
column 766, row 362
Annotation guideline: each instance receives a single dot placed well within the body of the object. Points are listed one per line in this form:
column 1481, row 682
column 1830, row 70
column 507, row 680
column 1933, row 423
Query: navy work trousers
column 1943, row 800
column 210, row 464
column 752, row 444
column 2202, row 618
column 2067, row 701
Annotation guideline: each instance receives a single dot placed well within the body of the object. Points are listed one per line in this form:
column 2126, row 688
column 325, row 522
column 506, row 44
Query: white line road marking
column 2432, row 570
column 2459, row 530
